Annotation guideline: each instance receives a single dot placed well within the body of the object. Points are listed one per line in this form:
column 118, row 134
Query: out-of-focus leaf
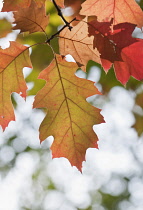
column 15, row 5
column 139, row 100
column 138, row 124
column 75, row 6
column 31, row 19
column 5, row 27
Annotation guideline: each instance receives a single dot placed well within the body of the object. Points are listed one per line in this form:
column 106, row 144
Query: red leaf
column 132, row 64
column 110, row 41
column 117, row 46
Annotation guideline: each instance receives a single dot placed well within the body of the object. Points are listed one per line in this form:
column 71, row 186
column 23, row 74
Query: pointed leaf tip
column 70, row 117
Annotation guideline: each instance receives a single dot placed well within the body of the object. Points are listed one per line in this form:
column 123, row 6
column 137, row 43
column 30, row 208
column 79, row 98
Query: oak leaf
column 70, row 118
column 132, row 64
column 110, row 41
column 15, row 5
column 12, row 61
column 32, row 19
column 78, row 44
column 117, row 46
column 120, row 10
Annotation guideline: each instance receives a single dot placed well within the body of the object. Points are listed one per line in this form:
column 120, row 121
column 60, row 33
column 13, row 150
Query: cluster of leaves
column 98, row 30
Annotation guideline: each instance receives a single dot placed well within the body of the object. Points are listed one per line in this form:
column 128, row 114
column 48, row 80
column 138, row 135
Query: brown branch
column 54, row 35
column 61, row 15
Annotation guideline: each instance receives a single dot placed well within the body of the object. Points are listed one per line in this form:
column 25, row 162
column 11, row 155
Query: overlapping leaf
column 117, row 46
column 70, row 118
column 75, row 6
column 15, row 5
column 120, row 10
column 110, row 41
column 32, row 19
column 12, row 61
column 79, row 45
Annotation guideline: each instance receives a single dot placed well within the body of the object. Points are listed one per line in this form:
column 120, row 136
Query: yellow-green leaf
column 5, row 27
column 138, row 124
column 70, row 118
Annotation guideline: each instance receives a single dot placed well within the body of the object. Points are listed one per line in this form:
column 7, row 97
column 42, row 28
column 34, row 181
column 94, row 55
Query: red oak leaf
column 117, row 46
column 132, row 64
column 70, row 117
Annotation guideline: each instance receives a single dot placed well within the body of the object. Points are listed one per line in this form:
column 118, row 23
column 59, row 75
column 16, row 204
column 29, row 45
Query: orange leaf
column 15, row 5
column 40, row 3
column 79, row 45
column 32, row 19
column 120, row 10
column 60, row 3
column 12, row 61
column 70, row 118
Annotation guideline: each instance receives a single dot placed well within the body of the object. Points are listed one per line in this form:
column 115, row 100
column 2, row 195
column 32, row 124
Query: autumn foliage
column 100, row 31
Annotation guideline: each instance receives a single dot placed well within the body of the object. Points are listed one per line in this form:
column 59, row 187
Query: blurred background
column 112, row 177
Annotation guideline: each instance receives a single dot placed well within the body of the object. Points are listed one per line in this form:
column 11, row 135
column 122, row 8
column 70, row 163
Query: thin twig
column 48, row 40
column 61, row 15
